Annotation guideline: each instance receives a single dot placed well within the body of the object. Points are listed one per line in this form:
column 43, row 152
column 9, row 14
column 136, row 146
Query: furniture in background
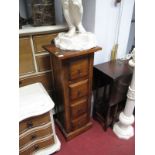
column 114, row 77
column 73, row 71
column 36, row 126
column 34, row 61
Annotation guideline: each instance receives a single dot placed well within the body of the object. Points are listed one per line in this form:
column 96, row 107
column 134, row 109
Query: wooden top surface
column 115, row 68
column 65, row 54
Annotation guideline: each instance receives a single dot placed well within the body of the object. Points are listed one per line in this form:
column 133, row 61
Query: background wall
column 102, row 17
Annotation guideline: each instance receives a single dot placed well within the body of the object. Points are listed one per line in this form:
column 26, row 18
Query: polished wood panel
column 45, row 78
column 33, row 135
column 65, row 54
column 40, row 40
column 78, row 108
column 38, row 145
column 33, row 122
column 79, row 122
column 43, row 63
column 114, row 77
column 78, row 89
column 78, row 68
column 26, row 64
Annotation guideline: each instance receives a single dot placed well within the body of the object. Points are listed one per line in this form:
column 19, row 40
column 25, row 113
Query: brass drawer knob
column 79, row 124
column 79, row 93
column 29, row 125
column 33, row 137
column 36, row 147
column 79, row 111
column 79, row 72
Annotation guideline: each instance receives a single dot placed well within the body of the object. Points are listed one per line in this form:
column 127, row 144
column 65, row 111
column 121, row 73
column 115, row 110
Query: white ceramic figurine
column 76, row 38
column 73, row 12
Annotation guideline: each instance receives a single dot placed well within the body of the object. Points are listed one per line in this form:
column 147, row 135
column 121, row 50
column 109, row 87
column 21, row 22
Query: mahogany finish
column 114, row 77
column 73, row 71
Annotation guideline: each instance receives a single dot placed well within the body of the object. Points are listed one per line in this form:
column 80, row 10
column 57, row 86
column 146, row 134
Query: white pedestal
column 123, row 129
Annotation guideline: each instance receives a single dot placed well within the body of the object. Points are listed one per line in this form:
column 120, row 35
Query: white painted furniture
column 36, row 124
column 123, row 129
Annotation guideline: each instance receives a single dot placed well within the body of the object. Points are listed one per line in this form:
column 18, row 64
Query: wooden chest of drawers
column 36, row 126
column 72, row 72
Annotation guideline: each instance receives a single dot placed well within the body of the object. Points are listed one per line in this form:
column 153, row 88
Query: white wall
column 105, row 16
column 128, row 8
column 105, row 28
column 89, row 7
column 59, row 12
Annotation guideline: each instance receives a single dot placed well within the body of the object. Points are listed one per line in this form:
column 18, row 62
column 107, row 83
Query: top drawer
column 41, row 40
column 78, row 68
column 34, row 122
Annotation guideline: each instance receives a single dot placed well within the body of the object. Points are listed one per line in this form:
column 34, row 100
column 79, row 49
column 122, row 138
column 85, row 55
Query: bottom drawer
column 37, row 146
column 79, row 122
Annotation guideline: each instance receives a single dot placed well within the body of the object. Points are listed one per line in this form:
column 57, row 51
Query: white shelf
column 28, row 29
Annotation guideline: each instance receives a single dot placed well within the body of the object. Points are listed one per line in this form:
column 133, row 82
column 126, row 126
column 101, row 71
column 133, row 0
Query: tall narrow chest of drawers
column 73, row 71
column 36, row 127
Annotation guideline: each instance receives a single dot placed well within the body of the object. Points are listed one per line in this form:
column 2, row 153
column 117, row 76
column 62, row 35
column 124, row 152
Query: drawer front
column 39, row 132
column 78, row 68
column 26, row 64
column 79, row 122
column 45, row 79
column 79, row 108
column 43, row 63
column 34, row 122
column 38, row 145
column 41, row 40
column 78, row 89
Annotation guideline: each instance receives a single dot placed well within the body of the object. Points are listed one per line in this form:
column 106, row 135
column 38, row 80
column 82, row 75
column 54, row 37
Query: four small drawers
column 78, row 91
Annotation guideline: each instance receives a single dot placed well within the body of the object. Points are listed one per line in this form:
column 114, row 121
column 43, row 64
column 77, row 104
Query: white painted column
column 123, row 129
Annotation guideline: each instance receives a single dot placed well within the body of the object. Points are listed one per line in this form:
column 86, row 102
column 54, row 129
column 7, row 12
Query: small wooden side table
column 114, row 76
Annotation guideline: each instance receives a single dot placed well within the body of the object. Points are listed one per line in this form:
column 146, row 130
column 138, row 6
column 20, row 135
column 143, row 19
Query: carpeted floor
column 96, row 142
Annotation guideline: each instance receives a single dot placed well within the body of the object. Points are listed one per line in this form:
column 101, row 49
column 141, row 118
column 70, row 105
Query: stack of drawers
column 73, row 83
column 35, row 134
column 36, row 126
column 78, row 85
